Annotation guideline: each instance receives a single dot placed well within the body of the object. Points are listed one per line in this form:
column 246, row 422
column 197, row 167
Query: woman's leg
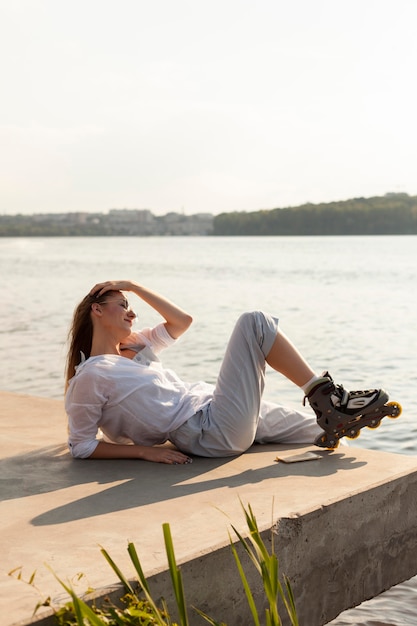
column 281, row 424
column 286, row 359
column 235, row 407
column 229, row 425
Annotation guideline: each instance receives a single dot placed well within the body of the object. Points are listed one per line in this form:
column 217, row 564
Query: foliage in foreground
column 138, row 607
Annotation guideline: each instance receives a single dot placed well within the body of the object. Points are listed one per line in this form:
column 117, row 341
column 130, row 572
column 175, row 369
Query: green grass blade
column 290, row 603
column 267, row 565
column 138, row 567
column 118, row 620
column 247, row 547
column 81, row 609
column 86, row 612
column 255, row 535
column 208, row 619
column 142, row 581
column 175, row 576
column 246, row 587
column 117, row 571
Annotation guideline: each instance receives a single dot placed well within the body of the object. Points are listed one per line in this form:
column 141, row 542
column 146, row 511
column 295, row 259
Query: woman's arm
column 176, row 319
column 156, row 454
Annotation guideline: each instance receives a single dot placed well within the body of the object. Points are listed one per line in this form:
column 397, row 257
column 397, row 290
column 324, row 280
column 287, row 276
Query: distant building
column 117, row 222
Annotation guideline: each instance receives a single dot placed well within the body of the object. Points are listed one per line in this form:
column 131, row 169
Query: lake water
column 349, row 303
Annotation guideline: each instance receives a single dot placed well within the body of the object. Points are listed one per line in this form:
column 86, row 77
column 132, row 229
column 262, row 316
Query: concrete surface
column 346, row 523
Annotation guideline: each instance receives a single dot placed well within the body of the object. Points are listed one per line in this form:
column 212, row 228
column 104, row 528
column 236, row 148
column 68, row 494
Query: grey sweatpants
column 237, row 416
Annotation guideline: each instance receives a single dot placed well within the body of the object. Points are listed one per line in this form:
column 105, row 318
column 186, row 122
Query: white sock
column 306, row 388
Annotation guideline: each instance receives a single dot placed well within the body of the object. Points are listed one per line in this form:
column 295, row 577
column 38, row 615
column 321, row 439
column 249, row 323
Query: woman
column 117, row 385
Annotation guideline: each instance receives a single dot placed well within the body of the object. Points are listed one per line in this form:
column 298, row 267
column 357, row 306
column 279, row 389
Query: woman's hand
column 164, row 455
column 176, row 319
column 156, row 454
column 112, row 285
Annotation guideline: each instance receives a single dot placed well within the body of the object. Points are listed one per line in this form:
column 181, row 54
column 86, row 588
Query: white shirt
column 130, row 400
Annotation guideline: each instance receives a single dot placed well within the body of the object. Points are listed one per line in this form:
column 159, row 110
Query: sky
column 205, row 105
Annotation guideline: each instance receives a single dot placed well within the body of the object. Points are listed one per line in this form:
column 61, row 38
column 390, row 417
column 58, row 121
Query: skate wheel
column 353, row 434
column 376, row 425
column 396, row 409
column 333, row 446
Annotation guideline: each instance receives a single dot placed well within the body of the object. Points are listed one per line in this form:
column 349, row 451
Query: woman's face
column 116, row 313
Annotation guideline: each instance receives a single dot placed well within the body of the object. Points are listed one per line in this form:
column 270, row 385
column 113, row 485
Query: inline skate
column 342, row 413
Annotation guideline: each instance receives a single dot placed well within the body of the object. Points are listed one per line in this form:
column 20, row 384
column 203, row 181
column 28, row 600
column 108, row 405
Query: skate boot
column 342, row 413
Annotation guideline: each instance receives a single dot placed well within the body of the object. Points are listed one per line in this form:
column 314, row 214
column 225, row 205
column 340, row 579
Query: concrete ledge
column 345, row 524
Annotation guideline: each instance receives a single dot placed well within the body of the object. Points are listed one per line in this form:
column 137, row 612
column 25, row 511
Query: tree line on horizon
column 392, row 214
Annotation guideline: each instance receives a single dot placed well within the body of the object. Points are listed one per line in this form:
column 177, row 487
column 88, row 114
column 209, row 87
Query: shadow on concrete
column 139, row 483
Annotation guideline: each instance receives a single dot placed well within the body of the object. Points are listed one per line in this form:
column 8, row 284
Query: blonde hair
column 80, row 335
